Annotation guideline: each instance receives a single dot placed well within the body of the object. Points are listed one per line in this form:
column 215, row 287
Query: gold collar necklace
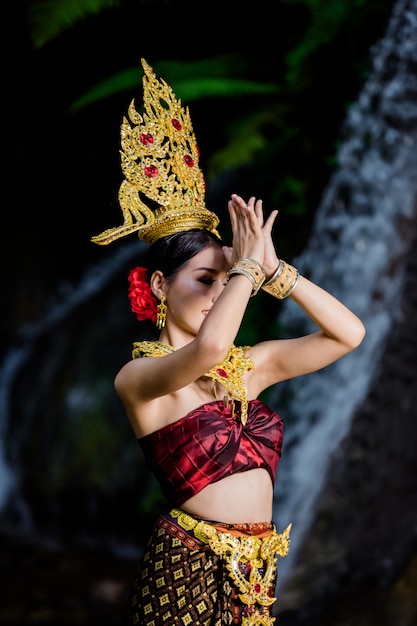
column 229, row 373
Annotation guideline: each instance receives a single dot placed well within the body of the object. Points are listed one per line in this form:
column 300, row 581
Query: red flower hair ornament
column 142, row 300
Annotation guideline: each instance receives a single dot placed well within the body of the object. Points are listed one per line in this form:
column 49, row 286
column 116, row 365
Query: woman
column 191, row 396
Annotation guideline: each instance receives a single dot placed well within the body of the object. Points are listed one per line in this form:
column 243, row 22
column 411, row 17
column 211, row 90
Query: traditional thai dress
column 204, row 572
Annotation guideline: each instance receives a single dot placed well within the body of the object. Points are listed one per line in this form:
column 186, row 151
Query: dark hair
column 169, row 254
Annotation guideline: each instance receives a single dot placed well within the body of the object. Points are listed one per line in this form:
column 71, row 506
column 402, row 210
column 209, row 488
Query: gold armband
column 252, row 270
column 282, row 282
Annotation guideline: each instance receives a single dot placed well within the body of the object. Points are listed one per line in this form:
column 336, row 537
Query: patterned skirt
column 199, row 573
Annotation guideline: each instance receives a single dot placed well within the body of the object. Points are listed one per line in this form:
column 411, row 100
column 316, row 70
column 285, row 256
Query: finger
column 240, row 205
column 228, row 254
column 238, row 199
column 232, row 215
column 251, row 202
column 259, row 212
column 255, row 214
column 247, row 219
column 270, row 221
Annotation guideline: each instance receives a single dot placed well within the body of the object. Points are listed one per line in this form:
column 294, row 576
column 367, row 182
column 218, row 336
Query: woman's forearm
column 330, row 315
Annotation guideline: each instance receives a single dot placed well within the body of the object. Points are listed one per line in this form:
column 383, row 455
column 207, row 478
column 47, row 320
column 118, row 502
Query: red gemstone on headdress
column 151, row 171
column 176, row 124
column 257, row 588
column 146, row 139
column 189, row 160
column 221, row 372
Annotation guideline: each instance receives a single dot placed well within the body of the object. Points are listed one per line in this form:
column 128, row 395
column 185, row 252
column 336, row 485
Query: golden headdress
column 159, row 159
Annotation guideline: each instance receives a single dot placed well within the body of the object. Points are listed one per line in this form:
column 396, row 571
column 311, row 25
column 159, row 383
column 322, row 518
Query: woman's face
column 195, row 288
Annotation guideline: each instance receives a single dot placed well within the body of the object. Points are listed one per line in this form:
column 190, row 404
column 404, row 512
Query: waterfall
column 62, row 305
column 362, row 233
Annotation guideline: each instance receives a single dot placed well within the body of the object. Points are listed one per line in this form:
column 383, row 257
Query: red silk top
column 210, row 443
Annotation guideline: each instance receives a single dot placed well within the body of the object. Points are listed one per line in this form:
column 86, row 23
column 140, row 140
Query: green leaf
column 49, row 18
column 128, row 80
column 247, row 137
column 190, row 81
column 327, row 17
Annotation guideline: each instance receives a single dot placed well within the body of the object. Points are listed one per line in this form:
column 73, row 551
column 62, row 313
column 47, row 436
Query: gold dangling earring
column 161, row 314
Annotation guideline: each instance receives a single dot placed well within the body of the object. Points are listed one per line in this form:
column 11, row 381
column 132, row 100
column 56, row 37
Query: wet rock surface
column 358, row 563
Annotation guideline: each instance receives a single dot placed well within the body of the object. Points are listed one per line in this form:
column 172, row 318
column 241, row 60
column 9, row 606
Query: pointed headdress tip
column 163, row 191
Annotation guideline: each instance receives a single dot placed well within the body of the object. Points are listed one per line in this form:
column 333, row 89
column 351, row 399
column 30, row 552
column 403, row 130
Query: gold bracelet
column 282, row 282
column 277, row 273
column 252, row 270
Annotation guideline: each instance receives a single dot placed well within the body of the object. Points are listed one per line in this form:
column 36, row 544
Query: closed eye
column 206, row 281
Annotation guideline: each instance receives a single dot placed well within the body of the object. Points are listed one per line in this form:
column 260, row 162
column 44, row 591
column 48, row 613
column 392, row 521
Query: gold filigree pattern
column 164, row 188
column 261, row 554
column 229, row 373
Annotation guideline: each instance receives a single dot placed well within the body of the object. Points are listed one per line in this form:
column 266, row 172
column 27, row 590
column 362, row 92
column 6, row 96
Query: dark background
column 61, row 170
column 60, row 177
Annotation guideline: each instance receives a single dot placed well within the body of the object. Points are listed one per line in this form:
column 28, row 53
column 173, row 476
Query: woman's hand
column 270, row 261
column 248, row 240
column 248, row 228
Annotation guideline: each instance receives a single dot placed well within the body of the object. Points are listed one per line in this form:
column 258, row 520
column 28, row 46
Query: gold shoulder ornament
column 229, row 373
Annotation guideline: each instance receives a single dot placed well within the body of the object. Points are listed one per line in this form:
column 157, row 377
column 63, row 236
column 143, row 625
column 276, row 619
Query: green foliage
column 326, row 19
column 291, row 192
column 186, row 88
column 49, row 18
column 245, row 139
column 269, row 115
column 127, row 80
column 275, row 110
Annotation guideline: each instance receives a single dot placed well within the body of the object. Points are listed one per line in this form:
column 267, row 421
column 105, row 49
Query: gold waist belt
column 260, row 553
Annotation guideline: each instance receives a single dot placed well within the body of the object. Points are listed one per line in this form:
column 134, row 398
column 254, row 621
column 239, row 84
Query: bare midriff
column 242, row 497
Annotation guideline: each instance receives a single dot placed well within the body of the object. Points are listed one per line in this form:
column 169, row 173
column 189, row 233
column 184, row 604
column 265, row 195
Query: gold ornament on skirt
column 163, row 190
column 260, row 553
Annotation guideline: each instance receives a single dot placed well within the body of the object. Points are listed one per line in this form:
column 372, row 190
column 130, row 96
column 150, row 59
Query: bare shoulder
column 142, row 379
column 147, row 413
column 127, row 380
